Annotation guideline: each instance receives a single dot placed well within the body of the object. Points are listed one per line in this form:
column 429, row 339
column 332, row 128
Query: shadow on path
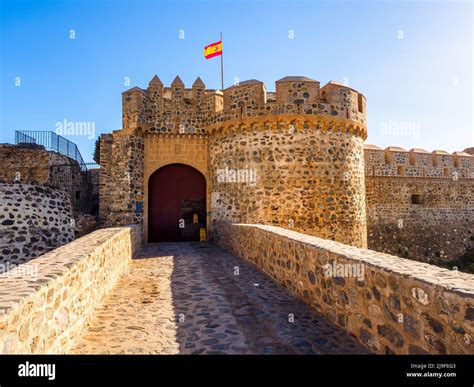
column 193, row 298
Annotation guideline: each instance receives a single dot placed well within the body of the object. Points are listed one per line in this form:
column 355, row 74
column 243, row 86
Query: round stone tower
column 293, row 158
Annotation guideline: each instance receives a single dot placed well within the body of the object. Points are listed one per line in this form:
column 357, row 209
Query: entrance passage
column 177, row 204
column 225, row 313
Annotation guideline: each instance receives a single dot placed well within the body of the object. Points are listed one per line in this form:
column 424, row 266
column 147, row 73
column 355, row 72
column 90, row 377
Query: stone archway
column 176, row 204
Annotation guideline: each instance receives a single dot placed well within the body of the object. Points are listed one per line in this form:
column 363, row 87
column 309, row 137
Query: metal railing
column 51, row 141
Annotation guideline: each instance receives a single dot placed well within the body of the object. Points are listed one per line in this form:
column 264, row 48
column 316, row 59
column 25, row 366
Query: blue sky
column 412, row 60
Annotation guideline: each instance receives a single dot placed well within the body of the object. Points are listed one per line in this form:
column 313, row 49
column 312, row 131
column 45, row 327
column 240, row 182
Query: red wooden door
column 176, row 193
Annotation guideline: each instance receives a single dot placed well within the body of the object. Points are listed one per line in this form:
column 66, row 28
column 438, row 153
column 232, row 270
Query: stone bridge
column 270, row 290
column 192, row 298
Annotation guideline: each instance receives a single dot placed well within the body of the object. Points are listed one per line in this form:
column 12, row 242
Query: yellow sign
column 202, row 235
column 195, row 218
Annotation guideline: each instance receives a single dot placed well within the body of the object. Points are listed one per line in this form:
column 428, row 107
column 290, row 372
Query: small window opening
column 360, row 103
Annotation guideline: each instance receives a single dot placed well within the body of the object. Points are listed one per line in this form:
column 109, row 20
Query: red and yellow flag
column 213, row 50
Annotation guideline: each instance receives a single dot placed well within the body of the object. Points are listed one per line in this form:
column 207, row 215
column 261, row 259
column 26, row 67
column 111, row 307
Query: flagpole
column 222, row 65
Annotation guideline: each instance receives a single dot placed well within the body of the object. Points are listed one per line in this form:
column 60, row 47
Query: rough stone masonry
column 313, row 174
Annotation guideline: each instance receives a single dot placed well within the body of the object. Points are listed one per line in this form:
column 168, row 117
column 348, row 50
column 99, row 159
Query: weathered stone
column 25, row 242
column 433, row 323
column 435, row 343
column 391, row 335
column 411, row 325
column 469, row 315
column 74, row 279
column 414, row 350
column 420, row 295
column 225, row 320
column 398, row 315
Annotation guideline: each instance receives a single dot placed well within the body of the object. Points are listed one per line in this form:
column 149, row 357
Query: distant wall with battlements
column 420, row 204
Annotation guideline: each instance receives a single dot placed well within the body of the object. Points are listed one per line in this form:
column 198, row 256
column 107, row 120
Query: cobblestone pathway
column 184, row 298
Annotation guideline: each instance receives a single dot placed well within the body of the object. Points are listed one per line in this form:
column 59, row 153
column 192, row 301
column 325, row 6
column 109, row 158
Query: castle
column 260, row 173
column 194, row 158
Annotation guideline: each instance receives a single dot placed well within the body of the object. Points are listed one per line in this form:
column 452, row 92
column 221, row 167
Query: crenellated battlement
column 398, row 162
column 304, row 144
column 177, row 109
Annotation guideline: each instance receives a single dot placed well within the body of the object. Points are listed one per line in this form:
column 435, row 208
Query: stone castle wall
column 239, row 125
column 305, row 175
column 182, row 110
column 120, row 179
column 397, row 162
column 391, row 304
column 439, row 229
column 47, row 312
column 34, row 219
column 24, row 164
column 420, row 205
column 32, row 163
column 303, row 142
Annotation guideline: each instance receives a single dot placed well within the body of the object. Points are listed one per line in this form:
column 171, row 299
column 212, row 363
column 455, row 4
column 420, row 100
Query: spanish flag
column 213, row 50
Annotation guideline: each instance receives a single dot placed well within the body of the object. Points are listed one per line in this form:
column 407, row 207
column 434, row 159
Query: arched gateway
column 177, row 204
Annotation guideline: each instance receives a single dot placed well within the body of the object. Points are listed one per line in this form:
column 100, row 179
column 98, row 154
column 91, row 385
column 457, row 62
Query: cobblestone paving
column 184, row 298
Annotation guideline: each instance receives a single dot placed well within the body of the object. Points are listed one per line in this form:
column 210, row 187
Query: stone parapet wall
column 392, row 305
column 23, row 164
column 34, row 219
column 45, row 303
column 177, row 109
column 31, row 163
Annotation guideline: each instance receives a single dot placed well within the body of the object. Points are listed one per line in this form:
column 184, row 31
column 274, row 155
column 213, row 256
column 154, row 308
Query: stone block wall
column 177, row 109
column 397, row 162
column 244, row 98
column 32, row 163
column 300, row 89
column 427, row 219
column 45, row 303
column 305, row 175
column 121, row 179
column 34, row 219
column 174, row 109
column 420, row 205
column 243, row 128
column 391, row 304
